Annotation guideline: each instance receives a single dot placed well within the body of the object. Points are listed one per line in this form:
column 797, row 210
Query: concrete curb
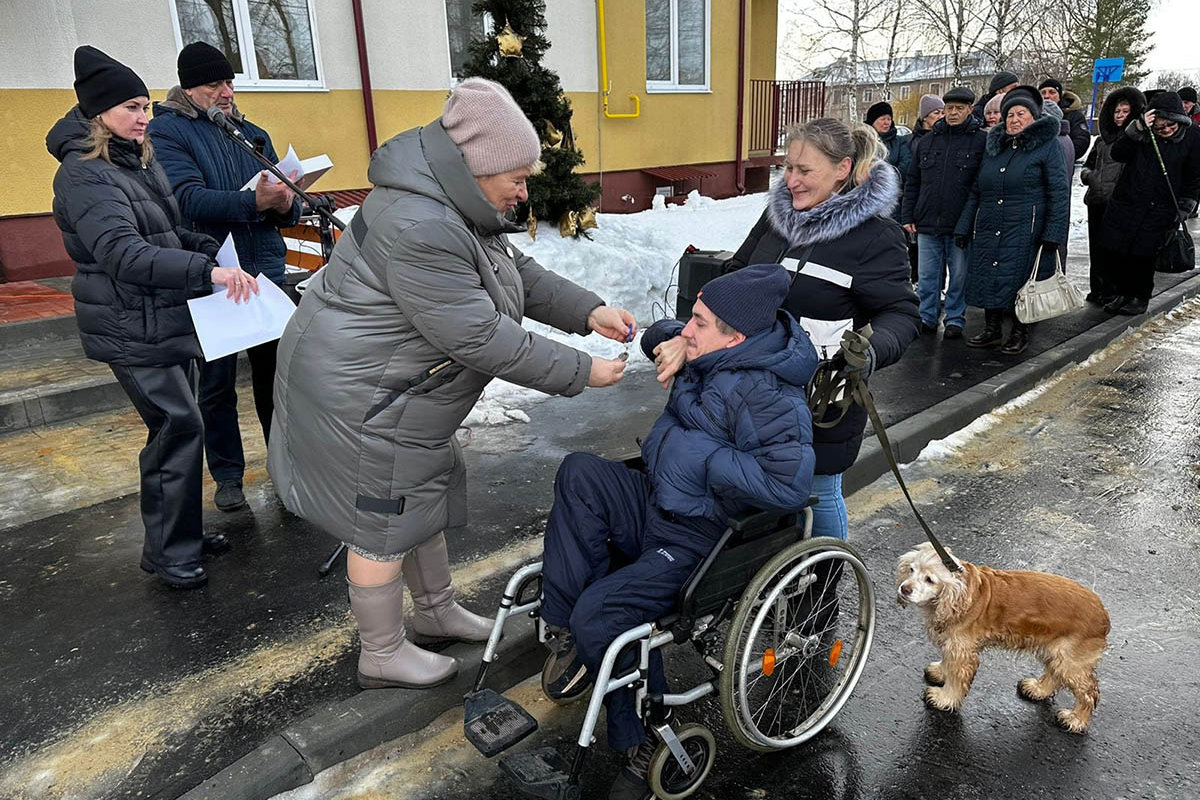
column 343, row 730
column 340, row 731
column 909, row 436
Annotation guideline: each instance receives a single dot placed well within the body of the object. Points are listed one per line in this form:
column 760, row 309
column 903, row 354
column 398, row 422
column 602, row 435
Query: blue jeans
column 934, row 253
column 829, row 514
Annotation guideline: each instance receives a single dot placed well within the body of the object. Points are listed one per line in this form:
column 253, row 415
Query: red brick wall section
column 31, row 248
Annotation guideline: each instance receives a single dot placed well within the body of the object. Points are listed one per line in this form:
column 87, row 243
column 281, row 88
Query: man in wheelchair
column 736, row 435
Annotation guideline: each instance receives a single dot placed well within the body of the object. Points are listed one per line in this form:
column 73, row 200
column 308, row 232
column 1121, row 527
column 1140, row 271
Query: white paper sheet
column 225, row 327
column 227, row 255
column 308, row 171
column 289, row 164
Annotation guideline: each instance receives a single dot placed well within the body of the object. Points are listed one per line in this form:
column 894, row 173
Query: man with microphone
column 192, row 136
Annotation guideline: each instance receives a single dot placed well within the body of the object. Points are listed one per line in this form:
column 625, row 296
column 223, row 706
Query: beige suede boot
column 436, row 616
column 387, row 659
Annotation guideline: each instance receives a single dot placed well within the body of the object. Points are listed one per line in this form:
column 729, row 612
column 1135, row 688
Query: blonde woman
column 135, row 270
column 830, row 220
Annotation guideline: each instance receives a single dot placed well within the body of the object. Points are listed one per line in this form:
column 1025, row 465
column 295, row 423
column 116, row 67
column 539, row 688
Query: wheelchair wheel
column 667, row 779
column 797, row 644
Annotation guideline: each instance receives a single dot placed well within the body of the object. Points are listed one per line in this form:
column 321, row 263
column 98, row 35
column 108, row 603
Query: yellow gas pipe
column 605, row 88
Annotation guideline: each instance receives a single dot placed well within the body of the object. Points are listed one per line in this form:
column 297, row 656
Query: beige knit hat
column 489, row 127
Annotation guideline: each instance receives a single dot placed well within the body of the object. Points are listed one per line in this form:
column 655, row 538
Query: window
column 463, row 26
column 935, row 88
column 270, row 43
column 904, row 92
column 677, row 51
column 867, row 95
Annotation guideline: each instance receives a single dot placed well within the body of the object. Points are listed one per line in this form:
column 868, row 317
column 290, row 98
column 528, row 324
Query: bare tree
column 959, row 25
column 1174, row 79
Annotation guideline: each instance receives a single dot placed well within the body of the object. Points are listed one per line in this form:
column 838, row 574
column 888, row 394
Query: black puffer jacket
column 1140, row 214
column 945, row 163
column 1100, row 170
column 135, row 267
column 1076, row 119
column 857, row 272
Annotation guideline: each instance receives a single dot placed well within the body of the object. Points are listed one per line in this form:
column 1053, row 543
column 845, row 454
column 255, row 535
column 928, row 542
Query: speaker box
column 696, row 268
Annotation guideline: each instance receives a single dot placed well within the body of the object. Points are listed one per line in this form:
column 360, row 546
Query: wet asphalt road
column 1097, row 479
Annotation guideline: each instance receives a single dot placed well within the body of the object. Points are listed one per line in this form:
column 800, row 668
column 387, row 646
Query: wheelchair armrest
column 757, row 520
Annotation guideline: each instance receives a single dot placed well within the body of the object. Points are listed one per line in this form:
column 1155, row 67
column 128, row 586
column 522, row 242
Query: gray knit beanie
column 489, row 128
column 929, row 104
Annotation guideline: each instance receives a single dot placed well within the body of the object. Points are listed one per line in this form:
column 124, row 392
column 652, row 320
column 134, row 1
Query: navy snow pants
column 598, row 504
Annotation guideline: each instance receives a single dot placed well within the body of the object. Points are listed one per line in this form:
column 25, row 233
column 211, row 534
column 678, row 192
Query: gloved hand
column 858, row 353
column 960, row 241
column 1186, row 206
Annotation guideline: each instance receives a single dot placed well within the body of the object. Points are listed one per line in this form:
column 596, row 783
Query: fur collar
column 1123, row 94
column 1043, row 129
column 875, row 197
column 178, row 101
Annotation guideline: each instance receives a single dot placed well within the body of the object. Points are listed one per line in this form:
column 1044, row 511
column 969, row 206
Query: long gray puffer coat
column 354, row 451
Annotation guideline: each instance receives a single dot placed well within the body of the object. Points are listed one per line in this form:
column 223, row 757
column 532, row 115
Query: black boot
column 1018, row 339
column 991, row 334
column 1114, row 305
column 1132, row 307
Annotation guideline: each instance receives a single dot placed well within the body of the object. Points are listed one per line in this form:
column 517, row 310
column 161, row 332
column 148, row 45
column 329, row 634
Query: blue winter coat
column 944, row 165
column 899, row 156
column 207, row 172
column 737, row 432
column 1019, row 200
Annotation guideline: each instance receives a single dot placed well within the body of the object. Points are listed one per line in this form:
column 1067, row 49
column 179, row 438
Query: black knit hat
column 1024, row 95
column 1167, row 105
column 960, row 94
column 102, row 82
column 746, row 300
column 200, row 63
column 878, row 110
column 1001, row 80
column 1188, row 95
column 1052, row 83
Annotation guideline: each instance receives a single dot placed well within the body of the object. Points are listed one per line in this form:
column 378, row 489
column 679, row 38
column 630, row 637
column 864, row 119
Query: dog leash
column 849, row 382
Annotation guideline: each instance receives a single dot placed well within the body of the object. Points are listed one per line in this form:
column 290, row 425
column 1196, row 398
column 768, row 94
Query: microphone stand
column 320, row 206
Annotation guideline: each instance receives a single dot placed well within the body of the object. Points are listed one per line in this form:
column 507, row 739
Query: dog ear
column 904, row 565
column 956, row 591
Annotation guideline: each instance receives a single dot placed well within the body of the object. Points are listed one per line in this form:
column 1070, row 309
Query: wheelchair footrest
column 540, row 773
column 493, row 723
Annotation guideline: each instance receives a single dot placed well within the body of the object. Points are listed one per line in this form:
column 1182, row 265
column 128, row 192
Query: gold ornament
column 587, row 219
column 531, row 224
column 510, row 42
column 554, row 137
column 568, row 224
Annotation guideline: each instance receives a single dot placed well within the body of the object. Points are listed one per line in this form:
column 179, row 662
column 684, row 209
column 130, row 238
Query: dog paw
column 941, row 699
column 1031, row 689
column 1069, row 721
column 934, row 675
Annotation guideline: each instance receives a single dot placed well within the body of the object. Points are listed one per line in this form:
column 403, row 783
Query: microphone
column 218, row 118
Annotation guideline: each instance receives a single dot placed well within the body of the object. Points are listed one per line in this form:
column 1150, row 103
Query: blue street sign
column 1108, row 69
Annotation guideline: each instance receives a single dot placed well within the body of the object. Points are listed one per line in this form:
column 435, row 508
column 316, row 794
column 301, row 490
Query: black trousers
column 171, row 462
column 218, row 405
column 1134, row 275
column 1102, row 281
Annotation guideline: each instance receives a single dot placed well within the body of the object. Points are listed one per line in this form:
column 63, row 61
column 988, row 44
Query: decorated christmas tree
column 511, row 54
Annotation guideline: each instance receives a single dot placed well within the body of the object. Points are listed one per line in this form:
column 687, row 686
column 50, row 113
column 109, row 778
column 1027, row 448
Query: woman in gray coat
column 419, row 308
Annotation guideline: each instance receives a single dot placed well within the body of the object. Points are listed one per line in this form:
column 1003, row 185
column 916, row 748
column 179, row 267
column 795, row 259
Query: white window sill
column 281, row 86
column 669, row 89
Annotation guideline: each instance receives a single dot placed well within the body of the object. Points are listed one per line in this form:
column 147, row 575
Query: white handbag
column 1053, row 297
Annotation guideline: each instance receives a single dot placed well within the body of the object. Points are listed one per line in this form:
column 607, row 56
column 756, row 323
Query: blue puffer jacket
column 736, row 433
column 1019, row 200
column 207, row 172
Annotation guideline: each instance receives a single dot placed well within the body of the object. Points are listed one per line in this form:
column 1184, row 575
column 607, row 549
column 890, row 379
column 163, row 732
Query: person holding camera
column 136, row 266
column 207, row 170
column 419, row 308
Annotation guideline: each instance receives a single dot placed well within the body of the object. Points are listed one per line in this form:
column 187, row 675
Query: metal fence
column 774, row 105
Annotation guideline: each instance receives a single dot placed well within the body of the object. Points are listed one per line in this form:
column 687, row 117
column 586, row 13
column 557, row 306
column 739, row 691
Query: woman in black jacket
column 829, row 221
column 1100, row 174
column 135, row 270
column 1142, row 213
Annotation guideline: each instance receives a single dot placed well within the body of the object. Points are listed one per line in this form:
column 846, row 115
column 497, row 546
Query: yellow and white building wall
column 408, row 58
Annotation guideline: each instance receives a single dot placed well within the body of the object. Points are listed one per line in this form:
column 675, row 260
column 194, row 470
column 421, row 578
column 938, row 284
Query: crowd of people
column 420, row 307
column 987, row 196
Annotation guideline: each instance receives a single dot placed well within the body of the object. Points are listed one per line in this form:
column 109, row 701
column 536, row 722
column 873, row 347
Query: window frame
column 905, row 92
column 486, row 21
column 249, row 80
column 673, row 86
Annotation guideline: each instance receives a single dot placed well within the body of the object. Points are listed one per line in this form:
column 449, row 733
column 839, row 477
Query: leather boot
column 991, row 335
column 1018, row 338
column 436, row 616
column 387, row 659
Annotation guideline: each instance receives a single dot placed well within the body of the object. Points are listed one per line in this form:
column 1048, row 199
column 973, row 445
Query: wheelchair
column 783, row 621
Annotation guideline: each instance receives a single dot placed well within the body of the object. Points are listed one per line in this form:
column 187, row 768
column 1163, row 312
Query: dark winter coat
column 857, row 272
column 207, row 171
column 899, row 156
column 919, row 133
column 737, row 432
column 1101, row 170
column 1140, row 214
column 943, row 170
column 1020, row 199
column 1074, row 116
column 354, row 448
column 135, row 266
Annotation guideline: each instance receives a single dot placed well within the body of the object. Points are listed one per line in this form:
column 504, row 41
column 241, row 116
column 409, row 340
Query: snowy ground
column 631, row 262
